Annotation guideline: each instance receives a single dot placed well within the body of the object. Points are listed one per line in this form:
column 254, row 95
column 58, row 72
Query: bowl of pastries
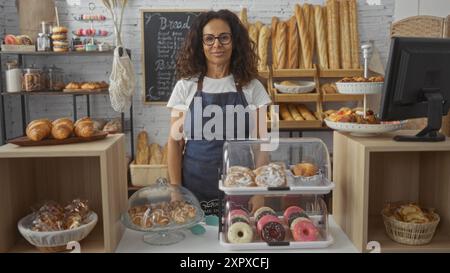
column 360, row 85
column 353, row 121
column 409, row 223
column 295, row 87
column 52, row 226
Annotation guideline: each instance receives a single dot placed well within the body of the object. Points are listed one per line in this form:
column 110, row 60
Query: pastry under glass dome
column 162, row 211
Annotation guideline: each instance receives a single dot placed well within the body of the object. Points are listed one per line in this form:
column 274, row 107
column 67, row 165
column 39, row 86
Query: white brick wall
column 374, row 25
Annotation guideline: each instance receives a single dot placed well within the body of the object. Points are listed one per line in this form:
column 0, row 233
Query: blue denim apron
column 203, row 159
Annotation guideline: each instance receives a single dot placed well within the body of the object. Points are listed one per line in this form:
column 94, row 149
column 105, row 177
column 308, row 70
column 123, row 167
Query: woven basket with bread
column 409, row 224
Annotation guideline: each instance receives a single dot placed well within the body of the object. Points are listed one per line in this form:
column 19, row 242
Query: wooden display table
column 372, row 171
column 94, row 171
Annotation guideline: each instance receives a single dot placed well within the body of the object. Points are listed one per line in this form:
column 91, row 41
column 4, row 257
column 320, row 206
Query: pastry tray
column 293, row 186
column 25, row 141
column 262, row 245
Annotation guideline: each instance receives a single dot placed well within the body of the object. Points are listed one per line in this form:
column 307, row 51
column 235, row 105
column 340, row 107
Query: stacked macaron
column 59, row 37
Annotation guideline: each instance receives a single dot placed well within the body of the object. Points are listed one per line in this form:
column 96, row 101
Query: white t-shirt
column 184, row 91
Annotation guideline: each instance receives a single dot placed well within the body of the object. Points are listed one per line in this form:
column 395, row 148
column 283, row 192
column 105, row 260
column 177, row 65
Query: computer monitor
column 417, row 84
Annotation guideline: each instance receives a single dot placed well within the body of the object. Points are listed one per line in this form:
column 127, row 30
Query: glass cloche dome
column 162, row 210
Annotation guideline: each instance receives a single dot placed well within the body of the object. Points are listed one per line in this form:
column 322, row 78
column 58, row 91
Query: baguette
column 243, row 17
column 308, row 12
column 263, row 46
column 142, row 156
column 155, row 154
column 253, row 33
column 345, row 35
column 281, row 45
column 354, row 35
column 274, row 35
column 333, row 33
column 284, row 113
column 304, row 37
column 293, row 44
column 259, row 25
column 321, row 36
column 304, row 111
column 294, row 112
column 165, row 154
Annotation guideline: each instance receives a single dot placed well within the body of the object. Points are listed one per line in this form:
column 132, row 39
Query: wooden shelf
column 54, row 93
column 307, row 97
column 341, row 97
column 73, row 53
column 289, row 73
column 304, row 124
column 340, row 73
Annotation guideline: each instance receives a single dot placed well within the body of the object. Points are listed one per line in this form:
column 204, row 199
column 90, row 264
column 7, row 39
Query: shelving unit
column 24, row 95
column 317, row 96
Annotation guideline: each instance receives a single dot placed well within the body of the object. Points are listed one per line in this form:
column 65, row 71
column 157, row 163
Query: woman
column 216, row 67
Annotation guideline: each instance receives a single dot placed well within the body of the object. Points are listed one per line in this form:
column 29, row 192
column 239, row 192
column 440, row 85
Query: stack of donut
column 269, row 226
column 60, row 41
column 302, row 228
column 239, row 228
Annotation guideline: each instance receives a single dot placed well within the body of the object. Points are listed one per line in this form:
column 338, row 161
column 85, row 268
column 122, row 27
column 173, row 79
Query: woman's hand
column 255, row 203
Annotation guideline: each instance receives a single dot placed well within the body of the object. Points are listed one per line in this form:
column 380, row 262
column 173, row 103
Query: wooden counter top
column 95, row 148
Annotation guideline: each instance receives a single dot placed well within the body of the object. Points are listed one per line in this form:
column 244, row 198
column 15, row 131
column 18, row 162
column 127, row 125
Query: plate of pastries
column 354, row 122
column 360, row 85
column 42, row 132
column 86, row 86
column 303, row 176
column 295, row 87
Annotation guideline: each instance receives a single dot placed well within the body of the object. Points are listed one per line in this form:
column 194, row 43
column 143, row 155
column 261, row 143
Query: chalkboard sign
column 163, row 34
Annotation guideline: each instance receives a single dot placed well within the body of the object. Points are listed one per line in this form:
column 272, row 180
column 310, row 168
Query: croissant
column 84, row 127
column 62, row 128
column 39, row 129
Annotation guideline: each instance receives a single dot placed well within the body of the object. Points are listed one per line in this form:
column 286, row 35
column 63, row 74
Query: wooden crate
column 370, row 171
column 95, row 171
column 145, row 175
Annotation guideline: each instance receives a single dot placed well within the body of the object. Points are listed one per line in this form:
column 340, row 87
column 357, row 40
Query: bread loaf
column 321, row 36
column 165, row 154
column 113, row 127
column 243, row 17
column 263, row 47
column 62, row 128
column 303, row 31
column 84, row 127
column 253, row 33
column 293, row 44
column 308, row 13
column 155, row 154
column 333, row 34
column 38, row 130
column 354, row 35
column 259, row 25
column 143, row 152
column 344, row 18
column 304, row 111
column 294, row 112
column 273, row 41
column 281, row 45
column 284, row 113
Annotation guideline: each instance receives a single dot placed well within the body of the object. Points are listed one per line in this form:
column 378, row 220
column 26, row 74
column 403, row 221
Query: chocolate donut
column 270, row 229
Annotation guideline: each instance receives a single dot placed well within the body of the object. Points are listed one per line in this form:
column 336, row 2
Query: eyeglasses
column 224, row 39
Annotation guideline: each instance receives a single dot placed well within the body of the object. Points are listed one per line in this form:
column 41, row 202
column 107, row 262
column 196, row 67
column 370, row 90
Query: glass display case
column 162, row 210
column 289, row 179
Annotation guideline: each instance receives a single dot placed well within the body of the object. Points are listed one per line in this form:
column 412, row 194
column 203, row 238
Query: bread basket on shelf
column 55, row 241
column 410, row 233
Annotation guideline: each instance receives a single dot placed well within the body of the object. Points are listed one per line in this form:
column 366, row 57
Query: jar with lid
column 32, row 80
column 55, row 79
column 43, row 42
column 13, row 77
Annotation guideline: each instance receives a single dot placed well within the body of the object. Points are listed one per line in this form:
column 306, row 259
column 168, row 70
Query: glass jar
column 32, row 80
column 55, row 79
column 13, row 77
column 43, row 42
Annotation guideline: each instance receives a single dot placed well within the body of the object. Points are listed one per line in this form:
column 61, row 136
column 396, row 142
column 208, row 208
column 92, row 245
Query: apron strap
column 200, row 85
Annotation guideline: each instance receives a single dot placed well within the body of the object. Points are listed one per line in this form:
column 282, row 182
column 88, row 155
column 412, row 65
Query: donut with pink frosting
column 304, row 230
column 238, row 215
column 293, row 212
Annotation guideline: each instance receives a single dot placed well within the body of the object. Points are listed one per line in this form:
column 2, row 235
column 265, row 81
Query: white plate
column 359, row 87
column 302, row 87
column 365, row 129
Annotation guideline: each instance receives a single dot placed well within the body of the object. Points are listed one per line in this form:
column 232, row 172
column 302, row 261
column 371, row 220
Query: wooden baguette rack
column 317, row 96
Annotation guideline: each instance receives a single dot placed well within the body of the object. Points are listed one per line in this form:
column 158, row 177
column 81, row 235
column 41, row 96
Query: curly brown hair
column 191, row 60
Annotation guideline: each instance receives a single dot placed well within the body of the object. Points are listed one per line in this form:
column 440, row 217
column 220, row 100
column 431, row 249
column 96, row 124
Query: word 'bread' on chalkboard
column 163, row 34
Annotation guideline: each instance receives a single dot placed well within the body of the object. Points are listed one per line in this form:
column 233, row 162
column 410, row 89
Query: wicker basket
column 410, row 233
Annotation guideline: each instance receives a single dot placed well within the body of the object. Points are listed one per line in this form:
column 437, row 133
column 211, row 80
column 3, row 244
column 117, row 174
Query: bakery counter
column 209, row 243
column 94, row 171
